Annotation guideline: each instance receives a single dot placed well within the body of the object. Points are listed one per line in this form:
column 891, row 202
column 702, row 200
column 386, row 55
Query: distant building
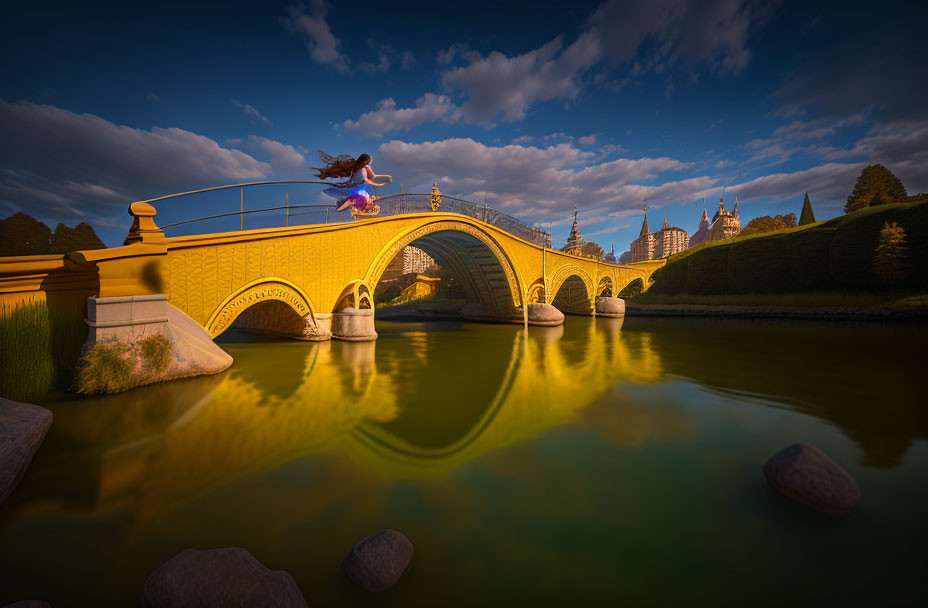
column 610, row 257
column 657, row 245
column 702, row 233
column 574, row 241
column 725, row 223
column 416, row 260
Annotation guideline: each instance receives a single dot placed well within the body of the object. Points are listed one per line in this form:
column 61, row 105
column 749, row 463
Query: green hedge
column 759, row 266
column 707, row 271
column 833, row 255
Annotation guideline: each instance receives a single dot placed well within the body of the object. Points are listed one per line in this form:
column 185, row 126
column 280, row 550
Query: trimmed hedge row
column 837, row 254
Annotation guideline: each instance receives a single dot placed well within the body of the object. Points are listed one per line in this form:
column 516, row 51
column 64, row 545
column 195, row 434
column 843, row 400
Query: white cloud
column 284, row 158
column 831, row 183
column 587, row 140
column 250, row 110
column 499, row 85
column 322, row 44
column 387, row 117
column 60, row 165
column 609, row 230
column 535, row 183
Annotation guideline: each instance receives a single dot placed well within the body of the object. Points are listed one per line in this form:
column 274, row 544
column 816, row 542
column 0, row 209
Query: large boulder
column 229, row 577
column 806, row 474
column 378, row 561
column 22, row 429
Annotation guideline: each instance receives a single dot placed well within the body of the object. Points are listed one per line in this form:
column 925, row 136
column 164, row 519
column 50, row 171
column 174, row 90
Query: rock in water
column 377, row 562
column 219, row 577
column 22, row 429
column 806, row 474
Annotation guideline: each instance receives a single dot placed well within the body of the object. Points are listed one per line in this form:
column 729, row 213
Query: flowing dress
column 353, row 192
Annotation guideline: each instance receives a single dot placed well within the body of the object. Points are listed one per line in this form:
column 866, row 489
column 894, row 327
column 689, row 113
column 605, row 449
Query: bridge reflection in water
column 401, row 406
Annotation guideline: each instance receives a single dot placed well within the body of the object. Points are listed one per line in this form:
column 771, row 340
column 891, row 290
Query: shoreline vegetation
column 877, row 256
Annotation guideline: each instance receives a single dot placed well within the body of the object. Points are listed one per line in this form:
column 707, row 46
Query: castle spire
column 645, row 229
column 666, row 225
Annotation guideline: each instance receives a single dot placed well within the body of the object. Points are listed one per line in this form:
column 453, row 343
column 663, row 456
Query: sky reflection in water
column 586, row 462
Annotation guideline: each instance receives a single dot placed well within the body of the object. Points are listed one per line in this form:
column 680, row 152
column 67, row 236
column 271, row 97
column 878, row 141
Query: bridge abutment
column 125, row 325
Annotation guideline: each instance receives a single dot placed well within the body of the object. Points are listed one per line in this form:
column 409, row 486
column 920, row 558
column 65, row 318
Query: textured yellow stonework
column 214, row 277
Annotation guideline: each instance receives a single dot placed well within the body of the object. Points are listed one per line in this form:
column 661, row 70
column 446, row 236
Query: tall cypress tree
column 806, row 217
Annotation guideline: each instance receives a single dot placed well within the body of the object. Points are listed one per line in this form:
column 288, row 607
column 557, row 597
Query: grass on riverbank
column 793, row 300
column 38, row 353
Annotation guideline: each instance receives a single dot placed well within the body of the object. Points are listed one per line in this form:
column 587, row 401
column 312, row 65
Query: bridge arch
column 606, row 287
column 472, row 254
column 579, row 293
column 274, row 294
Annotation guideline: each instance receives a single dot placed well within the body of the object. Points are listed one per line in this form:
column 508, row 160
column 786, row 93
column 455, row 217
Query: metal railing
column 395, row 204
column 399, row 204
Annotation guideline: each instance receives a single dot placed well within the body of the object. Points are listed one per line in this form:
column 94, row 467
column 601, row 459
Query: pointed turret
column 645, row 229
column 704, row 220
column 666, row 225
column 735, row 210
column 806, row 217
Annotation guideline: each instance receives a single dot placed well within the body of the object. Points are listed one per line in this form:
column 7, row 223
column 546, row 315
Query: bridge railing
column 396, row 204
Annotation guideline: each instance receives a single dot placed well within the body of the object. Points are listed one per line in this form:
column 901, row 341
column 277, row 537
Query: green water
column 594, row 464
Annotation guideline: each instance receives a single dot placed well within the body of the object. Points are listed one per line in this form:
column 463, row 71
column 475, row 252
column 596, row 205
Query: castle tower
column 645, row 229
column 574, row 241
column 666, row 225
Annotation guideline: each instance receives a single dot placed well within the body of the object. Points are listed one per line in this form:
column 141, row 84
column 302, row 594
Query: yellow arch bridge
column 317, row 281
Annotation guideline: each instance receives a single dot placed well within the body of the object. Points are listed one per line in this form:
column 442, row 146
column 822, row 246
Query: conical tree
column 876, row 186
column 890, row 262
column 806, row 217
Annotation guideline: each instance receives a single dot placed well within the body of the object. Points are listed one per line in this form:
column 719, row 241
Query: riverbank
column 816, row 313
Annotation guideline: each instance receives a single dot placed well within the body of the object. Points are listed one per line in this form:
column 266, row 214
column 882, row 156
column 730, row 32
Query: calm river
column 600, row 463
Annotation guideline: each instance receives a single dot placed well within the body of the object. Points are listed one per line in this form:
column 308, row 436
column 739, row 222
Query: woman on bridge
column 351, row 178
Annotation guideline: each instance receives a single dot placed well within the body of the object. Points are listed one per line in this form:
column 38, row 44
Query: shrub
column 156, row 352
column 113, row 367
column 105, row 368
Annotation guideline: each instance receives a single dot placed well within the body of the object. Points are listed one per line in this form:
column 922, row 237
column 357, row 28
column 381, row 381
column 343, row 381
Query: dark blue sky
column 530, row 106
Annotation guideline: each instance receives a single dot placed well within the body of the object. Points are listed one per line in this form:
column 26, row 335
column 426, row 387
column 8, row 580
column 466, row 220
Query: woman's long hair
column 343, row 166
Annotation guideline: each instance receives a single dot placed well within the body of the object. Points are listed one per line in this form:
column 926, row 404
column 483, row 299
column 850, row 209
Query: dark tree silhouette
column 806, row 216
column 876, row 185
column 765, row 223
column 22, row 234
column 82, row 236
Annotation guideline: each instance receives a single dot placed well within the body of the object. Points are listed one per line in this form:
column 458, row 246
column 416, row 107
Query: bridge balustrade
column 395, row 204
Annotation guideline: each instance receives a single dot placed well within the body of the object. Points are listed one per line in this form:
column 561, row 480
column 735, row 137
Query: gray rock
column 806, row 474
column 22, row 429
column 29, row 604
column 378, row 561
column 219, row 577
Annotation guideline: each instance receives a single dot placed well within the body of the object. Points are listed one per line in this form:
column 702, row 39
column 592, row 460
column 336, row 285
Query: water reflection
column 425, row 399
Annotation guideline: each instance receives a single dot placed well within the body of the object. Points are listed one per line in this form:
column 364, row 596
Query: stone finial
column 144, row 230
